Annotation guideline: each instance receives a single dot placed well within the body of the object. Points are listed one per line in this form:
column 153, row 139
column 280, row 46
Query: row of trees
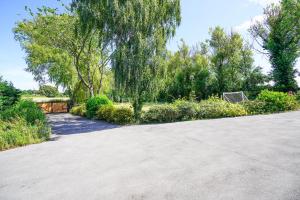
column 119, row 47
column 223, row 63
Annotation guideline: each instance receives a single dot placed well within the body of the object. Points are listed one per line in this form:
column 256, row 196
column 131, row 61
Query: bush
column 217, row 108
column 187, row 110
column 161, row 114
column 23, row 124
column 94, row 103
column 254, row 107
column 277, row 101
column 17, row 132
column 79, row 110
column 122, row 116
column 118, row 115
column 9, row 95
column 106, row 113
column 26, row 109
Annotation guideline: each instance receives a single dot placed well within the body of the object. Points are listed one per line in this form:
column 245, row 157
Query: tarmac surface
column 246, row 158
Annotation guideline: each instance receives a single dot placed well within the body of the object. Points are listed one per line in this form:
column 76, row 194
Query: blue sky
column 197, row 17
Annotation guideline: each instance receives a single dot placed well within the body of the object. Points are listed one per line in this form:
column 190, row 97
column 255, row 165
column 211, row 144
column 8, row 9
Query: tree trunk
column 137, row 108
column 101, row 69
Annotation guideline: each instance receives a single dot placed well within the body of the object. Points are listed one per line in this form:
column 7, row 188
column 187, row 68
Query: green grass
column 38, row 99
column 27, row 96
column 18, row 132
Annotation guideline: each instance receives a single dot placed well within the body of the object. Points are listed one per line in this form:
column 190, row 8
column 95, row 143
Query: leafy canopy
column 57, row 52
column 137, row 31
column 279, row 36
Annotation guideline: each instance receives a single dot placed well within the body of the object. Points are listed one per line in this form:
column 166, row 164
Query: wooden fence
column 53, row 105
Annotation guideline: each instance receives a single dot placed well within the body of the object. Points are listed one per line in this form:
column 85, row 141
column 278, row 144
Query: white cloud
column 247, row 24
column 20, row 78
column 264, row 3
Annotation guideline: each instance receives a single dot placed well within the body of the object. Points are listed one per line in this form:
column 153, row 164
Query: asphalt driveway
column 248, row 158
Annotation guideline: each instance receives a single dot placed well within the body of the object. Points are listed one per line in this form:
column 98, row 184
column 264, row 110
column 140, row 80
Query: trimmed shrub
column 187, row 110
column 118, row 115
column 79, row 110
column 122, row 115
column 94, row 103
column 161, row 114
column 217, row 108
column 277, row 101
column 26, row 109
column 17, row 132
column 254, row 107
column 106, row 113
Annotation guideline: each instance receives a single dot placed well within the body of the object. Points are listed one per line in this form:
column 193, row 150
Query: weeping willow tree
column 137, row 31
column 58, row 52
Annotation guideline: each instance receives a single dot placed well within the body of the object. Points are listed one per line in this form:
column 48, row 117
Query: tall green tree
column 57, row 52
column 232, row 62
column 138, row 31
column 279, row 36
column 187, row 75
column 253, row 78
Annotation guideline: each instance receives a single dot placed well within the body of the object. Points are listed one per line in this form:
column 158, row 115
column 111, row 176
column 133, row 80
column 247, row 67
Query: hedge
column 277, row 101
column 117, row 115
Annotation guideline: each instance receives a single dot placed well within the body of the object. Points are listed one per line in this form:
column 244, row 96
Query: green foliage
column 187, row 110
column 30, row 93
column 122, row 115
column 224, row 63
column 232, row 63
column 27, row 110
column 17, row 132
column 298, row 96
column 9, row 95
column 186, row 74
column 79, row 110
column 217, row 108
column 22, row 124
column 161, row 114
column 279, row 36
column 139, row 31
column 277, row 101
column 117, row 115
column 94, row 103
column 48, row 91
column 106, row 112
column 184, row 110
column 58, row 52
column 254, row 107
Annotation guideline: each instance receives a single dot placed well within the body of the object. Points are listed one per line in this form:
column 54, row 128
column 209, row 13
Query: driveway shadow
column 67, row 124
